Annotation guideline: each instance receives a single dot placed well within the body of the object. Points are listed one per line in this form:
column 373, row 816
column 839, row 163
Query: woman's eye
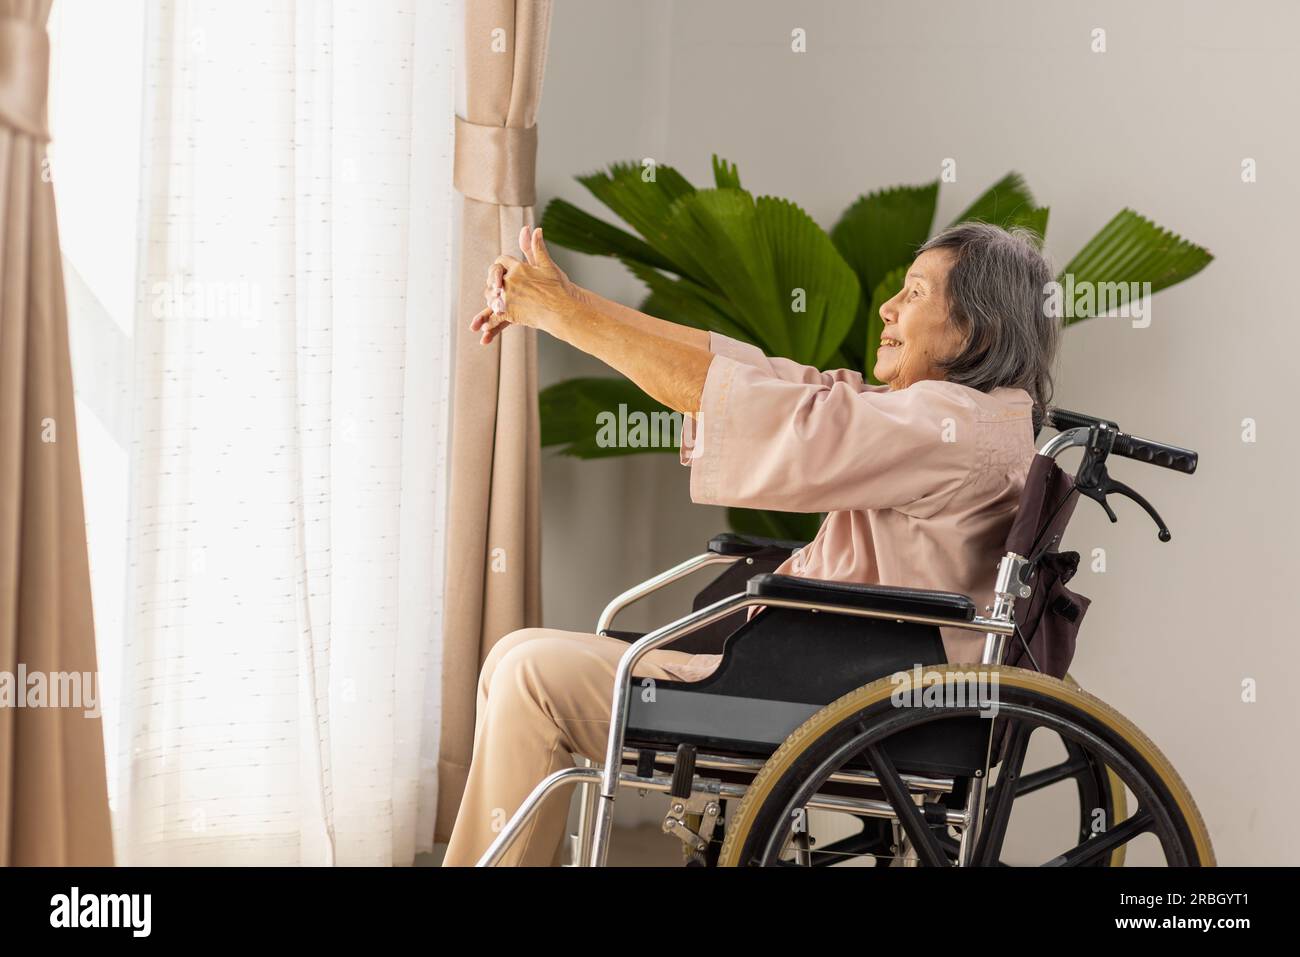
column 913, row 294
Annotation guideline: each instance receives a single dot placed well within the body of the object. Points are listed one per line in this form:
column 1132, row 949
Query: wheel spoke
column 900, row 799
column 988, row 848
column 863, row 844
column 1095, row 847
column 1100, row 761
column 1064, row 771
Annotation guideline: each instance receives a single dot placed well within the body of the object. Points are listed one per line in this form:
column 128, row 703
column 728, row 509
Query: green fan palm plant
column 762, row 271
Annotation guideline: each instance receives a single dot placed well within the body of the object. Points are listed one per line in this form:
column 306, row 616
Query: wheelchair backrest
column 709, row 639
column 1048, row 621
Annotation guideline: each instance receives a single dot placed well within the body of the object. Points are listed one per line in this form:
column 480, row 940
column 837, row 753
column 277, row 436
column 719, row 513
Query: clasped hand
column 534, row 292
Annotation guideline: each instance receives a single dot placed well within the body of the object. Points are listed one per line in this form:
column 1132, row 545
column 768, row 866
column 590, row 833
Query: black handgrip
column 730, row 544
column 1062, row 419
column 1129, row 446
column 1155, row 453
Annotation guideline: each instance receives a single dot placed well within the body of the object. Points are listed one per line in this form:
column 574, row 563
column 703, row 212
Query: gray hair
column 997, row 291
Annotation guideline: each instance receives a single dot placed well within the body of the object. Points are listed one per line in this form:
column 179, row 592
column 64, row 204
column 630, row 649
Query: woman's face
column 918, row 334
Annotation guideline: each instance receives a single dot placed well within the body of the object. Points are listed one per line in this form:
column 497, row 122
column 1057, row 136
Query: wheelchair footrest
column 683, row 771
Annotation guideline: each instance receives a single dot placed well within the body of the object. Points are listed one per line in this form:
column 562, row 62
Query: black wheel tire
column 753, row 825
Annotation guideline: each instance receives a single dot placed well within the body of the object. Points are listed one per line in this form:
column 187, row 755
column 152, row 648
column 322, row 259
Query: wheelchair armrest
column 886, row 598
column 726, row 549
column 741, row 546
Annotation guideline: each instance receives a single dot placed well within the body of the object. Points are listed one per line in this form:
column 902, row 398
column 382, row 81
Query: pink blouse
column 920, row 484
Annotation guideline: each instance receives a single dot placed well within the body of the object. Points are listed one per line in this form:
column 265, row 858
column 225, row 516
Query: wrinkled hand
column 534, row 293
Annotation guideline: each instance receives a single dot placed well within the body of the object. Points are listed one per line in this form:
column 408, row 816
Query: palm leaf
column 806, row 258
column 758, row 255
column 686, row 302
column 719, row 227
column 566, row 225
column 786, row 526
column 647, row 205
column 885, row 290
column 1000, row 203
column 1132, row 249
column 880, row 231
column 575, row 414
column 1035, row 220
column 725, row 175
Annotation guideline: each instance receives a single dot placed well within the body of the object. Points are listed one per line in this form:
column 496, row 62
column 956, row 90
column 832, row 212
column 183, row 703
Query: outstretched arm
column 667, row 369
column 668, row 362
column 699, row 338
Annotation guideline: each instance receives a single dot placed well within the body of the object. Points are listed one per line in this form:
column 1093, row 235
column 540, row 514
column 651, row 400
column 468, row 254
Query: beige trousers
column 543, row 696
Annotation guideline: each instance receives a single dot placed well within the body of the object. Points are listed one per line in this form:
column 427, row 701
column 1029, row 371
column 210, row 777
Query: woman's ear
column 962, row 339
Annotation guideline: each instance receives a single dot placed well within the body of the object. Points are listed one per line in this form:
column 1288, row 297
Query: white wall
column 1160, row 122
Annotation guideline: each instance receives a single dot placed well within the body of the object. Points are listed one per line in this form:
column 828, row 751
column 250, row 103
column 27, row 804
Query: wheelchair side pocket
column 1050, row 619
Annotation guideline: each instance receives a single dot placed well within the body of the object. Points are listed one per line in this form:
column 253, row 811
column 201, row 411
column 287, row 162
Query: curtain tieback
column 496, row 164
column 24, row 76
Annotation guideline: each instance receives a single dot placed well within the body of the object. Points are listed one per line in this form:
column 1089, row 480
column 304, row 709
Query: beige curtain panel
column 494, row 524
column 53, row 791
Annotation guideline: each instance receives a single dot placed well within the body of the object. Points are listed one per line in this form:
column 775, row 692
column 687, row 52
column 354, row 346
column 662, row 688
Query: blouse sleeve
column 786, row 369
column 770, row 443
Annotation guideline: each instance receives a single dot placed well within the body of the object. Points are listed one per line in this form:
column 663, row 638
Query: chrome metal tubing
column 619, row 709
column 587, row 799
column 869, row 807
column 608, row 774
column 866, row 807
column 915, row 782
column 531, row 803
column 586, row 815
column 637, row 592
column 1064, row 440
column 683, row 626
column 821, row 802
column 977, row 623
column 1006, row 590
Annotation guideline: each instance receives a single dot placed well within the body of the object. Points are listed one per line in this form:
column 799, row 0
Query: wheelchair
column 834, row 709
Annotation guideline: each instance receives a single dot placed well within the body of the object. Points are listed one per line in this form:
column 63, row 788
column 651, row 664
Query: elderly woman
column 920, row 476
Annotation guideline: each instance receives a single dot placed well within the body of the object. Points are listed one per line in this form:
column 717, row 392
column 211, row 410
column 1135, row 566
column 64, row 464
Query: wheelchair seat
column 783, row 665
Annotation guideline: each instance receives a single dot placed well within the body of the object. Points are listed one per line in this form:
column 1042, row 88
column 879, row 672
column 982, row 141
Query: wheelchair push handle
column 1155, row 453
column 1101, row 438
column 1129, row 446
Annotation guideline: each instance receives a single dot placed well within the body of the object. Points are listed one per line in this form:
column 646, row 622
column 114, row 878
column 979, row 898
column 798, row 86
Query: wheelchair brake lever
column 1098, row 495
column 1119, row 487
column 1095, row 482
column 1107, row 485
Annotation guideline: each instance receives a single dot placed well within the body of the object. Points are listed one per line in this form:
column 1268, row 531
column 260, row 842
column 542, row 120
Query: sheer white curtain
column 279, row 652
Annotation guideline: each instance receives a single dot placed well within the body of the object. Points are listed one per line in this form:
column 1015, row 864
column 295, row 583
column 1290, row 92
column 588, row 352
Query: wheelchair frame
column 600, row 784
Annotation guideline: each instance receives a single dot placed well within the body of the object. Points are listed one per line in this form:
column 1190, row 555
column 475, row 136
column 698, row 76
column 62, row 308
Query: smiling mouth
column 888, row 343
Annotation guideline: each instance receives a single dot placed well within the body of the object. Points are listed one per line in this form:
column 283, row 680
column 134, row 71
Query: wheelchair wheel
column 1099, row 792
column 1105, row 752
